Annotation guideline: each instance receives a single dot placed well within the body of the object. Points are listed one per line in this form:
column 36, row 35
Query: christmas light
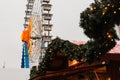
column 109, row 36
column 103, row 62
column 91, row 8
column 103, row 13
column 118, row 8
column 105, row 22
column 94, row 7
column 108, row 4
column 114, row 12
column 88, row 14
column 99, row 53
column 113, row 6
column 106, row 8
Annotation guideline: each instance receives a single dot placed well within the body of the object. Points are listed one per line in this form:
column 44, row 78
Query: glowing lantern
column 73, row 62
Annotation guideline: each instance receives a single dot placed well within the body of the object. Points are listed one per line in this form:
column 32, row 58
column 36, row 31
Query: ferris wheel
column 36, row 34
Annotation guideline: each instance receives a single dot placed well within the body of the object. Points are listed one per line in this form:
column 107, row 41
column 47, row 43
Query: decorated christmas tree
column 98, row 22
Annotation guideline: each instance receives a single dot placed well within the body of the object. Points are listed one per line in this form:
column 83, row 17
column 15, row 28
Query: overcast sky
column 11, row 25
column 66, row 16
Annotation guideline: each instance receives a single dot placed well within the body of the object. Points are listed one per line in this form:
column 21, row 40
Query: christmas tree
column 98, row 22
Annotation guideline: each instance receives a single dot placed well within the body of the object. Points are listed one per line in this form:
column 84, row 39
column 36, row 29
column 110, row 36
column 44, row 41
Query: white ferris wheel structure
column 37, row 25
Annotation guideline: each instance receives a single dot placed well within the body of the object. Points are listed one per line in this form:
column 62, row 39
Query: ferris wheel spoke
column 35, row 51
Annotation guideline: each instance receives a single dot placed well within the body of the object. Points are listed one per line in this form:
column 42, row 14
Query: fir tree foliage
column 98, row 22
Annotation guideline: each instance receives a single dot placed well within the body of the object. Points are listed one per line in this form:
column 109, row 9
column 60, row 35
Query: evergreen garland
column 98, row 22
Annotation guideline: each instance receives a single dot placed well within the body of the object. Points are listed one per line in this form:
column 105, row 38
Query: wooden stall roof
column 69, row 71
column 80, row 67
